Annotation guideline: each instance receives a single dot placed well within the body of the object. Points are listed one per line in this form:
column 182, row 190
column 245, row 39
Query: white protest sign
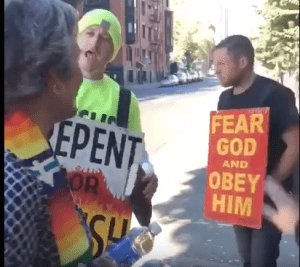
column 81, row 144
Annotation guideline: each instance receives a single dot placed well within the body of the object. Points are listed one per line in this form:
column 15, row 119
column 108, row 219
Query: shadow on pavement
column 208, row 240
column 204, row 239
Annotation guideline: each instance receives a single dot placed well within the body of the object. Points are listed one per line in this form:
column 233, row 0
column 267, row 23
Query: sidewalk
column 186, row 240
column 142, row 86
column 184, row 262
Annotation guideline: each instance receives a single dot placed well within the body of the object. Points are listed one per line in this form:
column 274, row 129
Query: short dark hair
column 238, row 45
column 72, row 2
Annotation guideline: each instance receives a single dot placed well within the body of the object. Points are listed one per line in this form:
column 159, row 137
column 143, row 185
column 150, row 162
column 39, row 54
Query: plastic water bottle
column 146, row 164
column 135, row 245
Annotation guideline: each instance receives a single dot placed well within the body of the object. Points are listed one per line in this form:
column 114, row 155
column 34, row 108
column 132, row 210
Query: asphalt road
column 146, row 94
column 176, row 125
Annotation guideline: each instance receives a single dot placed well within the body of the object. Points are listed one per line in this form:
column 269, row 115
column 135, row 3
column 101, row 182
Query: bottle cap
column 147, row 168
column 154, row 228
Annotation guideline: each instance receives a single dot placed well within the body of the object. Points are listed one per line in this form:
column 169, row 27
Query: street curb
column 142, row 86
column 178, row 261
column 189, row 262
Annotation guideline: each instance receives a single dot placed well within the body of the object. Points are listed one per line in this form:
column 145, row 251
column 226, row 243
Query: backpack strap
column 123, row 107
column 141, row 207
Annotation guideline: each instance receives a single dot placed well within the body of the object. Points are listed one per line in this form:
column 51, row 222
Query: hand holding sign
column 102, row 162
column 152, row 183
column 287, row 214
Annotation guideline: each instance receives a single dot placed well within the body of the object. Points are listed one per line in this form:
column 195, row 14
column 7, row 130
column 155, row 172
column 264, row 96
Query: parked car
column 192, row 75
column 170, row 80
column 200, row 75
column 195, row 76
column 181, row 77
column 189, row 77
column 211, row 72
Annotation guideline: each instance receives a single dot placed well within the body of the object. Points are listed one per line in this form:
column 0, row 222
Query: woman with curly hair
column 42, row 77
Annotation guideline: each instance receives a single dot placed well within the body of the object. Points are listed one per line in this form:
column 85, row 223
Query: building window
column 168, row 22
column 145, row 76
column 130, row 76
column 144, row 53
column 130, row 3
column 129, row 54
column 137, row 29
column 167, row 3
column 91, row 4
column 143, row 8
column 154, row 58
column 144, row 31
column 137, row 52
column 150, row 56
column 130, row 27
column 149, row 34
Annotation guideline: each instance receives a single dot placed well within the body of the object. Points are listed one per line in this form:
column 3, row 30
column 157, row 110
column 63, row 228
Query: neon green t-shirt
column 98, row 100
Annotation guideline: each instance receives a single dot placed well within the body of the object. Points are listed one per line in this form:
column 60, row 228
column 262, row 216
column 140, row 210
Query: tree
column 190, row 37
column 278, row 42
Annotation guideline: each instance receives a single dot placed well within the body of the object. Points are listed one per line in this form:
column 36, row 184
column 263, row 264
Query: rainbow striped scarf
column 23, row 138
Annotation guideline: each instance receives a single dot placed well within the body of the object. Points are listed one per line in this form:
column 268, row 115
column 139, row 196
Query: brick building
column 147, row 35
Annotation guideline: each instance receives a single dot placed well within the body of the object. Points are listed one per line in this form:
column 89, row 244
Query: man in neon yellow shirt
column 99, row 93
column 99, row 38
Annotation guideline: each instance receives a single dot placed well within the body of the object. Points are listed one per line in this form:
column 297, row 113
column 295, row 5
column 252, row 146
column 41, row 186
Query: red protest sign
column 238, row 149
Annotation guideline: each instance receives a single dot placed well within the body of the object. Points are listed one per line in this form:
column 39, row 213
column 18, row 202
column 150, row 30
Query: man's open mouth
column 90, row 54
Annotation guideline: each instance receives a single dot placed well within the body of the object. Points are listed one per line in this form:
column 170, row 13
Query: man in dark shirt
column 234, row 59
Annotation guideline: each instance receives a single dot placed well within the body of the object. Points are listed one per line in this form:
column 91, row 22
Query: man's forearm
column 287, row 164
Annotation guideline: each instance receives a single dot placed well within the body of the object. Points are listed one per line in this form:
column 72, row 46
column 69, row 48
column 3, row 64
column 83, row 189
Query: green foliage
column 189, row 41
column 191, row 38
column 278, row 42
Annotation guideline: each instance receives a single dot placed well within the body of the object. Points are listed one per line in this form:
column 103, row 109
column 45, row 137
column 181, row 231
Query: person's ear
column 79, row 9
column 54, row 83
column 243, row 62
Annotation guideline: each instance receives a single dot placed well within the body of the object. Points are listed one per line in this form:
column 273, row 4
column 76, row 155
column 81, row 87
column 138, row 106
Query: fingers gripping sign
column 152, row 183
